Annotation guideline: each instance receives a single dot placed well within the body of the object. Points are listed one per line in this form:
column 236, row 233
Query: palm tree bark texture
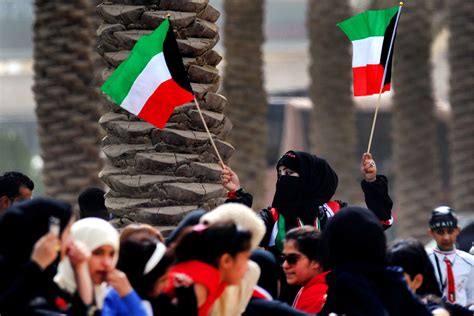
column 416, row 164
column 244, row 87
column 333, row 129
column 66, row 97
column 461, row 97
column 155, row 175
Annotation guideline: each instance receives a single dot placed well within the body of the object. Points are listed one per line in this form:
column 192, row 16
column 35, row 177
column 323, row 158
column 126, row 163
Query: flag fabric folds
column 371, row 36
column 152, row 81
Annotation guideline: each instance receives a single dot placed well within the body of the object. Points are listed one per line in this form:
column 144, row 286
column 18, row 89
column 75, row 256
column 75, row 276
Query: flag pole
column 383, row 78
column 204, row 123
column 208, row 132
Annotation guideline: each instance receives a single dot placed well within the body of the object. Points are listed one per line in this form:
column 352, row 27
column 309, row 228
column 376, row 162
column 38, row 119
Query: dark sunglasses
column 292, row 258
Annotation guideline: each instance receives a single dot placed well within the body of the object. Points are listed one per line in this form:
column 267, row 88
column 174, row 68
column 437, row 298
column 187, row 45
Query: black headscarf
column 23, row 224
column 359, row 282
column 300, row 196
column 354, row 236
column 269, row 271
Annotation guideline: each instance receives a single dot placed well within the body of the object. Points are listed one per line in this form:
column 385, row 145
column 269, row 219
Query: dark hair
column 307, row 241
column 133, row 257
column 9, row 187
column 92, row 204
column 139, row 231
column 209, row 244
column 21, row 179
column 411, row 256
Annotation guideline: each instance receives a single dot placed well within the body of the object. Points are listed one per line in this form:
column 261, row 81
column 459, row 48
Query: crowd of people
column 306, row 254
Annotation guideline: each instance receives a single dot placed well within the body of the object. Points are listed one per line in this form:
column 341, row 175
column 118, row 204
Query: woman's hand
column 119, row 281
column 368, row 167
column 78, row 254
column 46, row 250
column 181, row 280
column 230, row 180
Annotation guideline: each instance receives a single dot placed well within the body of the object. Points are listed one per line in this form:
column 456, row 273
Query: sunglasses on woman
column 292, row 258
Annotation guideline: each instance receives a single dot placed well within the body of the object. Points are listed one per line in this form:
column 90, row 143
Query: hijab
column 92, row 233
column 354, row 236
column 300, row 196
column 269, row 271
column 23, row 224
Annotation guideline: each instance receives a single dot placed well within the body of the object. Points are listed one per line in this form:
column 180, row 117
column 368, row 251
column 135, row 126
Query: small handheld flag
column 152, row 81
column 372, row 34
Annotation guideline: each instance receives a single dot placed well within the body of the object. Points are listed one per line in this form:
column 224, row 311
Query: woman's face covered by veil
column 299, row 196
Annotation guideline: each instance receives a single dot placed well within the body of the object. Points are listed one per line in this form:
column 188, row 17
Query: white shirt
column 463, row 270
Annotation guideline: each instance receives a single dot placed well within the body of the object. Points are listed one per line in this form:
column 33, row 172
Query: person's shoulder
column 429, row 252
column 467, row 257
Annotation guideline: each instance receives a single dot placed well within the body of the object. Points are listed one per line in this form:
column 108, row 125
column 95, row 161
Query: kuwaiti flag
column 371, row 35
column 152, row 81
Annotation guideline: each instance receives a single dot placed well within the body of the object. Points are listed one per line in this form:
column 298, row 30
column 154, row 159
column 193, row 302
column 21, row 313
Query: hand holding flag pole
column 383, row 79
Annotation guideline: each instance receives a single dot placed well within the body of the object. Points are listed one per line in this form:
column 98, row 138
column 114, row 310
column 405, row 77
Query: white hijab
column 93, row 233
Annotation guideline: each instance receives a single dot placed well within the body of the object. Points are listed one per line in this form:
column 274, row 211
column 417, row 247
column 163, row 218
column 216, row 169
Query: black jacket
column 370, row 291
column 262, row 307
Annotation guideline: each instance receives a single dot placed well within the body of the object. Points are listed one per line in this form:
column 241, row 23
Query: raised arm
column 375, row 189
column 235, row 194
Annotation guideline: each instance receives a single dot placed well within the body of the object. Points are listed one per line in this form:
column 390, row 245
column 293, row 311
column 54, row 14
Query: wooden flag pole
column 204, row 123
column 375, row 119
column 208, row 132
column 383, row 79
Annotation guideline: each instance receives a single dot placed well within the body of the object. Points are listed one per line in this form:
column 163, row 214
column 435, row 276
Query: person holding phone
column 34, row 236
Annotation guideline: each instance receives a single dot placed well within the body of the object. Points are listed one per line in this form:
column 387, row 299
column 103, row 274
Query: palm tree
column 67, row 112
column 461, row 50
column 415, row 152
column 243, row 86
column 333, row 134
column 158, row 175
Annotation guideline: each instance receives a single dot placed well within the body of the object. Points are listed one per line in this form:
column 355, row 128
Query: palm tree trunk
column 243, row 86
column 67, row 111
column 158, row 175
column 333, row 134
column 461, row 52
column 417, row 187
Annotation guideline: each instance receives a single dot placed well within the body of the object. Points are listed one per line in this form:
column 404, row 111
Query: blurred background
column 306, row 106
